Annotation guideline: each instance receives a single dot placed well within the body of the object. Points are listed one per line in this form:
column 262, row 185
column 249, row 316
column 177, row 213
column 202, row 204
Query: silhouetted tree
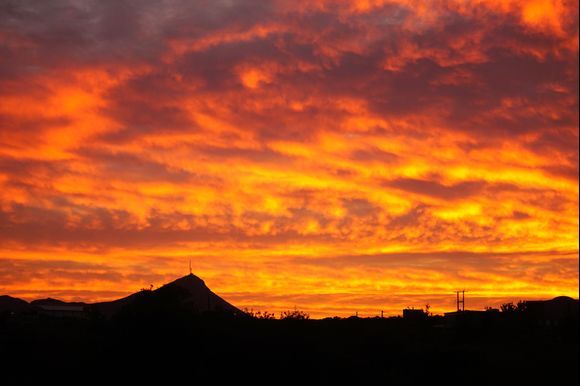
column 507, row 307
column 259, row 314
column 511, row 307
column 294, row 315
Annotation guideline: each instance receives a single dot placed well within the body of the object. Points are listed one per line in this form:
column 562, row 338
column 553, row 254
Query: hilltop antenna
column 460, row 301
column 190, row 267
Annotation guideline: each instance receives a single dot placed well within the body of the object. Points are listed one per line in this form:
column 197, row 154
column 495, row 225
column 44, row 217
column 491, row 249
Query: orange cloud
column 334, row 156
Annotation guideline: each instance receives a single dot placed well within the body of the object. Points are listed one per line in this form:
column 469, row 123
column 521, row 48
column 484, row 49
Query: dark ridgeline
column 8, row 304
column 183, row 332
column 185, row 296
column 188, row 294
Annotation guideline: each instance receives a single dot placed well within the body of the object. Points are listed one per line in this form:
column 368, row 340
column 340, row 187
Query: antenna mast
column 190, row 267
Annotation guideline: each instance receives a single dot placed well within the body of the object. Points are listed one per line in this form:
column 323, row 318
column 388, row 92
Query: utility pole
column 460, row 301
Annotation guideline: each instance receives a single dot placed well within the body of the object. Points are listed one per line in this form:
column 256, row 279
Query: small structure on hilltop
column 60, row 309
column 64, row 311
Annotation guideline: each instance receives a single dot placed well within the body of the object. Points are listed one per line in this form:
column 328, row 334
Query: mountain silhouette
column 188, row 293
column 55, row 302
column 199, row 295
column 10, row 304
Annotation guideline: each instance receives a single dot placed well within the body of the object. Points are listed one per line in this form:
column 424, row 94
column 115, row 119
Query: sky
column 333, row 156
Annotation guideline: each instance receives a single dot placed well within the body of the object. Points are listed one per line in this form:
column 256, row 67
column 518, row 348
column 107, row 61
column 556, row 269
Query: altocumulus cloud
column 362, row 148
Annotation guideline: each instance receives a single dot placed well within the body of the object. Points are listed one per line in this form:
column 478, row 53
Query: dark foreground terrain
column 215, row 348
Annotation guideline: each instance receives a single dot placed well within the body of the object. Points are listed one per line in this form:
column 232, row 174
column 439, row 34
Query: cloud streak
column 253, row 135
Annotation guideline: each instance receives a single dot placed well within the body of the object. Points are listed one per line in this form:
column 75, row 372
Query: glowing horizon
column 334, row 156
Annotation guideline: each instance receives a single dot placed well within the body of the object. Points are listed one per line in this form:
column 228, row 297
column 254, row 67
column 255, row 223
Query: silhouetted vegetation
column 259, row 314
column 511, row 307
column 180, row 330
column 157, row 336
column 294, row 315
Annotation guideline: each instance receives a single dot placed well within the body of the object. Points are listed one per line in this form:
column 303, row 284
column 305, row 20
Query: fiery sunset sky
column 336, row 156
